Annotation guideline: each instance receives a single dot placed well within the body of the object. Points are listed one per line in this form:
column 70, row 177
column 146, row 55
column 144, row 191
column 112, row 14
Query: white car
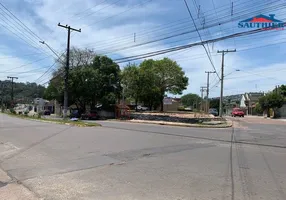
column 142, row 108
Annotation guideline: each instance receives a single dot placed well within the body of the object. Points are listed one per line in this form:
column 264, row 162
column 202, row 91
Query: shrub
column 12, row 111
column 39, row 114
column 26, row 113
column 181, row 108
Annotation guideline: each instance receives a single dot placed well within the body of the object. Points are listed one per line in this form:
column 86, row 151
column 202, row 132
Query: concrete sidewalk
column 11, row 190
column 262, row 117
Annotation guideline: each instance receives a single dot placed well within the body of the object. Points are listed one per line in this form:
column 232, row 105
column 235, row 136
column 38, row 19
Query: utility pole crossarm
column 68, row 27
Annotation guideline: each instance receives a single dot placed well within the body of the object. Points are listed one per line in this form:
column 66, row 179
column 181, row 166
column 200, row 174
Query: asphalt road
column 138, row 161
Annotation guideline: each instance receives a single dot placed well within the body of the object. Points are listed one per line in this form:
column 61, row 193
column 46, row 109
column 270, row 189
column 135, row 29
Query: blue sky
column 110, row 24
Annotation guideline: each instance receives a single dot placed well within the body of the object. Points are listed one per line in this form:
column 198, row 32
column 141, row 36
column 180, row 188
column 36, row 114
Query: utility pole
column 208, row 89
column 221, row 79
column 67, row 67
column 202, row 96
column 12, row 91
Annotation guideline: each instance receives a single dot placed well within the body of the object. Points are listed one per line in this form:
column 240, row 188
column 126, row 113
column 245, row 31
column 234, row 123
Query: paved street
column 139, row 161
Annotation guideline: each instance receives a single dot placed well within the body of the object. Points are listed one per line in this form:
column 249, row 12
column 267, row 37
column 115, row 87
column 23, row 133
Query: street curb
column 228, row 125
column 55, row 122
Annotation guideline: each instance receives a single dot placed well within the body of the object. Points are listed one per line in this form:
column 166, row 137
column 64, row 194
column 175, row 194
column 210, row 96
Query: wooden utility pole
column 67, row 67
column 12, row 88
column 221, row 80
column 208, row 89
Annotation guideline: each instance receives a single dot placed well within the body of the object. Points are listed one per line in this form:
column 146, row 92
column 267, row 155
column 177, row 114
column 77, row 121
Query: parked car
column 189, row 109
column 142, row 108
column 74, row 114
column 213, row 111
column 47, row 112
column 237, row 112
column 91, row 115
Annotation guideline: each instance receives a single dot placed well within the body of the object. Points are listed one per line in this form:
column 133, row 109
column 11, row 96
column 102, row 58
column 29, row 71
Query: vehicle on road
column 213, row 111
column 91, row 115
column 142, row 108
column 237, row 112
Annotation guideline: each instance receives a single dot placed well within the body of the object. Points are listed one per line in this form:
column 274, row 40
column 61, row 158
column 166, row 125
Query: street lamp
column 237, row 70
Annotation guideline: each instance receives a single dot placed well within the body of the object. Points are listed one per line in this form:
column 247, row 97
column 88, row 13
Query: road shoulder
column 12, row 190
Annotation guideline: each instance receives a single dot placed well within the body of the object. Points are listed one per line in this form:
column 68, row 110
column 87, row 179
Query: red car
column 237, row 112
column 90, row 115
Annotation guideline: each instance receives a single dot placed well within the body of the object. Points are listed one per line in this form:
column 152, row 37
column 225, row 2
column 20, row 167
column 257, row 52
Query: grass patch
column 57, row 121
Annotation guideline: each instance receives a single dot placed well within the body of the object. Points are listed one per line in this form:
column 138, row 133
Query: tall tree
column 150, row 92
column 169, row 78
column 190, row 99
column 131, row 81
column 91, row 82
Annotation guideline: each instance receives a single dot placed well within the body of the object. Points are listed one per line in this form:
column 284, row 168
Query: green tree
column 91, row 81
column 214, row 103
column 167, row 76
column 131, row 80
column 150, row 92
column 271, row 100
column 283, row 90
column 190, row 99
column 258, row 109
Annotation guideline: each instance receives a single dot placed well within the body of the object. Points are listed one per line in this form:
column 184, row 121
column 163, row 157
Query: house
column 248, row 102
column 171, row 104
column 231, row 102
column 41, row 104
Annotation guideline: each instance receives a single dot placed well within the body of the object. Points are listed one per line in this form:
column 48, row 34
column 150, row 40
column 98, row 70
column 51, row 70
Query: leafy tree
column 91, row 82
column 109, row 88
column 150, row 92
column 131, row 80
column 190, row 99
column 168, row 77
column 271, row 100
column 283, row 90
column 258, row 109
column 214, row 103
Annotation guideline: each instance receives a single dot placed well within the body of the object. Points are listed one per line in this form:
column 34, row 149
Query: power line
column 150, row 54
column 21, row 23
column 50, row 67
column 200, row 37
column 208, row 26
column 101, row 9
column 118, row 13
column 165, row 38
column 28, row 63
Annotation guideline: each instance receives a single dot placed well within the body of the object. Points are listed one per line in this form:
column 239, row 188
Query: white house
column 249, row 100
